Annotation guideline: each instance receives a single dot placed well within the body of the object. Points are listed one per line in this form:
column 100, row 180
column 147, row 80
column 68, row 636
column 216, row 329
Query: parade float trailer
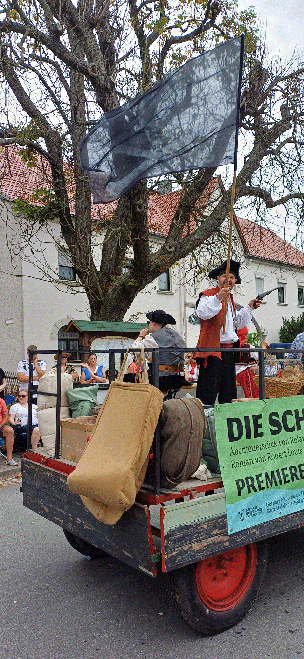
column 209, row 536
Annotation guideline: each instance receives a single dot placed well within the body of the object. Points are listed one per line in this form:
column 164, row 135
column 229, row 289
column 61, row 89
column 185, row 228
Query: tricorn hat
column 234, row 268
column 160, row 317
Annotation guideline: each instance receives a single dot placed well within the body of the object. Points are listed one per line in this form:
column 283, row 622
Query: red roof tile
column 18, row 181
column 262, row 243
column 161, row 209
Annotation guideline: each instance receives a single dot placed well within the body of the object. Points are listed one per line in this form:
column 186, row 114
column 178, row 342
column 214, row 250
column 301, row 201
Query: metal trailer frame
column 154, row 380
column 181, row 531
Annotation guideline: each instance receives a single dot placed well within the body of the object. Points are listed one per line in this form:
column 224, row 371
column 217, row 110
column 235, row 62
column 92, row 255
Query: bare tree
column 65, row 63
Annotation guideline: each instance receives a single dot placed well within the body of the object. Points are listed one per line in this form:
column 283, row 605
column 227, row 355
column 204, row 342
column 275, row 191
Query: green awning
column 105, row 326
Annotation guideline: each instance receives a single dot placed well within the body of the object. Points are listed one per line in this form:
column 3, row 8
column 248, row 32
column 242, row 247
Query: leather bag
column 113, row 465
column 182, row 427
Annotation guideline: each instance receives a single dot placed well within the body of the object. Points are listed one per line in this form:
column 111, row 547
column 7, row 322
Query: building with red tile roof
column 263, row 244
column 39, row 307
column 19, row 181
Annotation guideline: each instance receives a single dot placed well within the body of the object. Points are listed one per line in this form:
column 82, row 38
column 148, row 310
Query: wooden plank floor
column 45, row 491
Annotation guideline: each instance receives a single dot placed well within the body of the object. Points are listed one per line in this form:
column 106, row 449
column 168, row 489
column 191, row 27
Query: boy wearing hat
column 158, row 335
column 217, row 370
column 65, row 367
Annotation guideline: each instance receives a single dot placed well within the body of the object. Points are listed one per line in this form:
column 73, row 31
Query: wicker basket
column 279, row 388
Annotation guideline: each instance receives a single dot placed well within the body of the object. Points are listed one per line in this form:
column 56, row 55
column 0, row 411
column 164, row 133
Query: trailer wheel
column 215, row 593
column 82, row 546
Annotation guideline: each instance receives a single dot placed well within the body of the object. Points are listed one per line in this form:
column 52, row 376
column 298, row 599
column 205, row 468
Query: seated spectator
column 107, row 374
column 18, row 418
column 7, row 433
column 244, row 368
column 130, row 375
column 39, row 369
column 191, row 368
column 92, row 373
column 134, row 367
column 2, row 384
column 298, row 343
column 65, row 367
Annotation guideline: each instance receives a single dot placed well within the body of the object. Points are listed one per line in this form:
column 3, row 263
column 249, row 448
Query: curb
column 10, row 472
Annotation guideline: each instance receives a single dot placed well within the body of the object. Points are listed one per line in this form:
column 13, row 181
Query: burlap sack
column 47, row 428
column 182, row 427
column 48, row 383
column 113, row 465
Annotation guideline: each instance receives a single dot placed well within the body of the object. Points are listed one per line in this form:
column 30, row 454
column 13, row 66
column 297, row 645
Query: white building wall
column 11, row 317
column 151, row 298
column 271, row 313
column 38, row 308
column 48, row 305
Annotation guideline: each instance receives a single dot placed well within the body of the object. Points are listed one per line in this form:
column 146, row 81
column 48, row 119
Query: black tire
column 212, row 597
column 82, row 546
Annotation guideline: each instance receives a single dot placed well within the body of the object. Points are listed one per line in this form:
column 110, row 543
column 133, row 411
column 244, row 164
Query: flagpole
column 225, row 305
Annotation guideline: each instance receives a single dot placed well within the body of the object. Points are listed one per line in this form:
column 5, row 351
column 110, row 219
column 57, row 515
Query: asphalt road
column 56, row 604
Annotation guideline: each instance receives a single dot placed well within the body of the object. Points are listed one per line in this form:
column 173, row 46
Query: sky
column 283, row 23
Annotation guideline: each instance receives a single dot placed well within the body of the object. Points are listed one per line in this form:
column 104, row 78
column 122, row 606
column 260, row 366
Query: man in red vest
column 217, row 370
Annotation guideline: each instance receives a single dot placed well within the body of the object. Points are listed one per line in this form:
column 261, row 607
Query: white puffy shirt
column 209, row 306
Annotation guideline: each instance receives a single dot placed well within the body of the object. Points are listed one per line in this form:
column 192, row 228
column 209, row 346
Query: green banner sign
column 261, row 454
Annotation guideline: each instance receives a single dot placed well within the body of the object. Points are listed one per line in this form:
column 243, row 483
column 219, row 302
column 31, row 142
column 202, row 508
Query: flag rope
column 225, row 306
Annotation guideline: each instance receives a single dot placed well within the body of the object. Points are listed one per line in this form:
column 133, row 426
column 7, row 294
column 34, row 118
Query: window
column 69, row 342
column 66, row 270
column 164, row 281
column 282, row 294
column 301, row 295
column 259, row 285
column 127, row 267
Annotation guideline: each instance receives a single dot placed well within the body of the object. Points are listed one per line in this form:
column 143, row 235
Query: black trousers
column 218, row 377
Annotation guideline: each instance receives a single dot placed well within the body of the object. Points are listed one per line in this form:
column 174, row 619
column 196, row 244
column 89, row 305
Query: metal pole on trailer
column 30, row 401
column 156, row 441
column 261, row 374
column 58, row 404
column 111, row 365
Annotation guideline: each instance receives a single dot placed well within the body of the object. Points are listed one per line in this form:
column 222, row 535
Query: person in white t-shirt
column 23, row 370
column 18, row 418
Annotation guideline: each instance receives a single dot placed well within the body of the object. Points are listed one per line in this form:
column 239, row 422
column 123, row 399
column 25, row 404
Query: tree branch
column 7, row 141
column 255, row 191
column 26, row 103
column 182, row 217
column 96, row 77
column 179, row 39
column 50, row 92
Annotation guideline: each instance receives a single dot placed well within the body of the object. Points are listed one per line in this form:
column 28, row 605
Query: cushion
column 82, row 399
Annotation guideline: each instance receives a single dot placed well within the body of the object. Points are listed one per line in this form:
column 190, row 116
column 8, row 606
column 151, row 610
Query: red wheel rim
column 223, row 580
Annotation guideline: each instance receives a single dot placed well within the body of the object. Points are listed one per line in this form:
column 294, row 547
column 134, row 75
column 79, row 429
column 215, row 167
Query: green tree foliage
column 290, row 328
